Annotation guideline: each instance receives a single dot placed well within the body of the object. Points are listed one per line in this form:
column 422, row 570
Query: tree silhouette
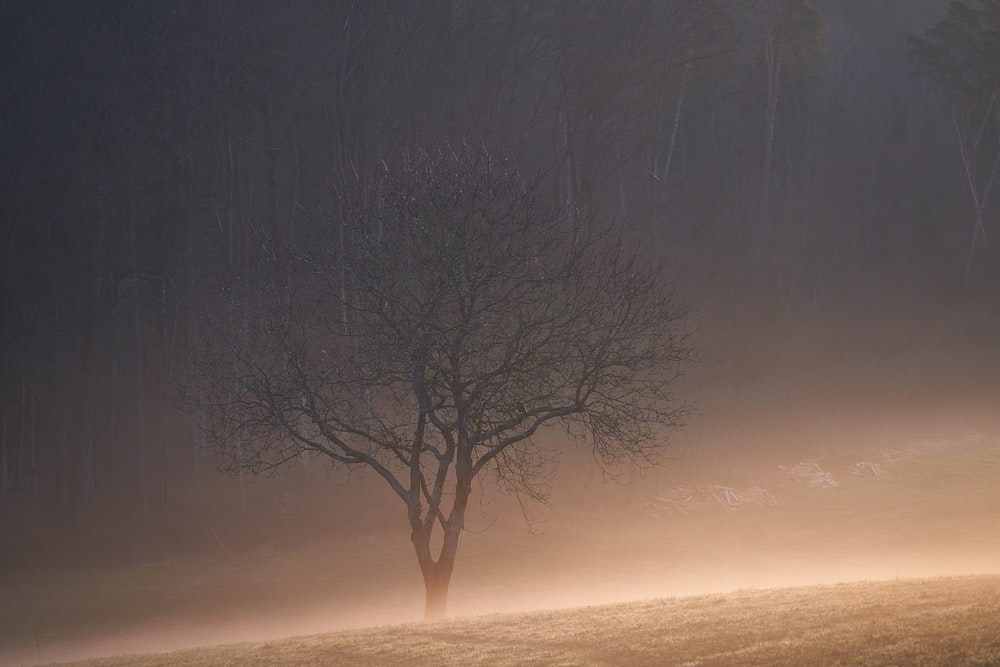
column 476, row 318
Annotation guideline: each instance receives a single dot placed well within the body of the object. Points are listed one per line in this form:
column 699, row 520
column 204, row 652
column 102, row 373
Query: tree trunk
column 972, row 244
column 968, row 144
column 64, row 472
column 437, row 597
column 437, row 574
column 570, row 186
column 29, row 400
column 675, row 127
column 3, row 459
column 277, row 235
column 84, row 455
column 438, row 579
column 140, row 412
column 166, row 378
column 139, row 377
column 4, row 469
column 773, row 62
column 113, row 389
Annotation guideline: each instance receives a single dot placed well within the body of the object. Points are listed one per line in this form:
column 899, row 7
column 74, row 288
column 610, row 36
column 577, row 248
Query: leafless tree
column 478, row 319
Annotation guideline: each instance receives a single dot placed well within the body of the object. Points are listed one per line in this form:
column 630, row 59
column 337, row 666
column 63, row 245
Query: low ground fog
column 851, row 443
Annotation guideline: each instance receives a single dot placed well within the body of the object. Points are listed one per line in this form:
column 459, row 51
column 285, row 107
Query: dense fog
column 814, row 181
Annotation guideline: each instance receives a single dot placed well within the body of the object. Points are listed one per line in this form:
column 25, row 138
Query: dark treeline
column 153, row 152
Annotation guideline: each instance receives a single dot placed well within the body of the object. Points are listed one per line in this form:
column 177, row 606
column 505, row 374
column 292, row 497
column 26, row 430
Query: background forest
column 787, row 159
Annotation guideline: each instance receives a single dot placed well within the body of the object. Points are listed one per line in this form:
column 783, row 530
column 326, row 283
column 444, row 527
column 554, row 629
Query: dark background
column 802, row 181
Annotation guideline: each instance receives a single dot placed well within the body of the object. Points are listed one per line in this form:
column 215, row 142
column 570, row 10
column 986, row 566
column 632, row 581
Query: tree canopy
column 960, row 50
column 461, row 319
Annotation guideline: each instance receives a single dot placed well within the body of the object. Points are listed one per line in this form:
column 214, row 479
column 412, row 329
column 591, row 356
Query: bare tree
column 791, row 39
column 959, row 53
column 478, row 318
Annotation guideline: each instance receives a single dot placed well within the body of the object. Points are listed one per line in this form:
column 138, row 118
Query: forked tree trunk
column 437, row 577
column 436, row 586
column 437, row 574
column 968, row 144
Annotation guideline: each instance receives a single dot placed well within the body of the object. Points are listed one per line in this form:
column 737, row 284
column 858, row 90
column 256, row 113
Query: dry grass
column 932, row 513
column 945, row 621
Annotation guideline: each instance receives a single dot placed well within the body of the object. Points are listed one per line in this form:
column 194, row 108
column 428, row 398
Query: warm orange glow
column 852, row 407
column 924, row 517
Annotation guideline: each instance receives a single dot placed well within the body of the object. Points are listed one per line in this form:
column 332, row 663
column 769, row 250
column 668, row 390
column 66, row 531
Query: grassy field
column 919, row 399
column 935, row 511
column 945, row 621
column 909, row 385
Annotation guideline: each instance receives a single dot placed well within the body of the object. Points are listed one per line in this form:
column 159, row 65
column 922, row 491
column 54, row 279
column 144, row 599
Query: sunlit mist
column 802, row 469
column 321, row 316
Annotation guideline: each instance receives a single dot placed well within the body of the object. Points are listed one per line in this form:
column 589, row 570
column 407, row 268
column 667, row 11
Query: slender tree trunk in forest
column 87, row 479
column 773, row 61
column 64, row 470
column 968, row 143
column 4, row 469
column 958, row 54
column 296, row 184
column 3, row 459
column 197, row 435
column 232, row 237
column 80, row 492
column 193, row 341
column 18, row 472
column 28, row 398
column 113, row 388
column 242, row 196
column 85, row 452
column 973, row 241
column 622, row 199
column 278, row 237
column 664, row 175
column 165, row 379
column 344, row 303
column 68, row 456
column 20, row 450
column 140, row 409
column 139, row 374
column 570, row 189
